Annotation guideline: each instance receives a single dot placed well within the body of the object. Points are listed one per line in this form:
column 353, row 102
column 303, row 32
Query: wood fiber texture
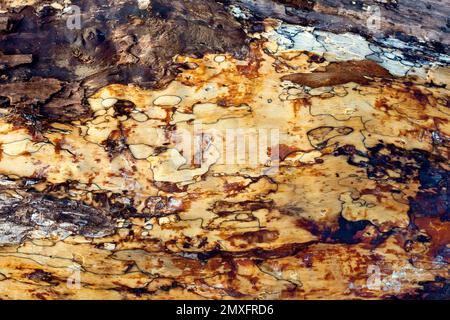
column 350, row 200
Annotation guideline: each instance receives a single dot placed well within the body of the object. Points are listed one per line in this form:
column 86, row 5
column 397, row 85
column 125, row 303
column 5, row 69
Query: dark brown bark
column 117, row 43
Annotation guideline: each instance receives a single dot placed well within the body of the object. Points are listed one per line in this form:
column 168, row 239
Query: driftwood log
column 349, row 200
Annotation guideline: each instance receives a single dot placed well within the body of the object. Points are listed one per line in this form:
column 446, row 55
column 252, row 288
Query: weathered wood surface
column 97, row 201
column 422, row 20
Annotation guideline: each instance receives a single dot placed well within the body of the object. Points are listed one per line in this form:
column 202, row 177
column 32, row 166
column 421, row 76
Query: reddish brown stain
column 252, row 237
column 340, row 73
column 378, row 191
column 438, row 230
column 255, row 58
column 234, row 186
column 284, row 151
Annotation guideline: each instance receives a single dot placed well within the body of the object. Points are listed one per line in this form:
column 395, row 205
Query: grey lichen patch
column 356, row 178
column 38, row 216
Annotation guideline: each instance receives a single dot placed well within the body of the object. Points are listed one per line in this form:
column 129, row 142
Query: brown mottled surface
column 422, row 20
column 340, row 73
column 98, row 201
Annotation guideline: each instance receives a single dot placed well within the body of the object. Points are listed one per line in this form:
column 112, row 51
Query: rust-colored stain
column 340, row 73
column 348, row 199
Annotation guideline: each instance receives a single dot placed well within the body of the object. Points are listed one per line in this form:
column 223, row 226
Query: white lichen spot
column 107, row 103
column 219, row 59
column 109, row 246
column 143, row 4
column 167, row 100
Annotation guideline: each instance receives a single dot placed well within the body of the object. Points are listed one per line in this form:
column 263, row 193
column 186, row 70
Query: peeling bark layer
column 116, row 42
column 100, row 200
column 416, row 21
